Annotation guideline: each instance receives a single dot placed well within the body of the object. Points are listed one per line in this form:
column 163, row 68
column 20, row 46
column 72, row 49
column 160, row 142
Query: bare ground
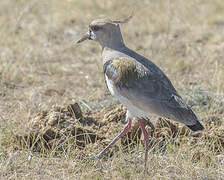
column 42, row 72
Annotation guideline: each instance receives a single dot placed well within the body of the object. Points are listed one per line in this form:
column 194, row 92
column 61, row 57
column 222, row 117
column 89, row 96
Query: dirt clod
column 76, row 110
column 68, row 127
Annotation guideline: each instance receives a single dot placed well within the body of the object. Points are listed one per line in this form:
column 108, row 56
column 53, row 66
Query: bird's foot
column 99, row 157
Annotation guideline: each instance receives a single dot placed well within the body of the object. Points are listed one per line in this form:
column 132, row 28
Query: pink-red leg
column 122, row 133
column 146, row 140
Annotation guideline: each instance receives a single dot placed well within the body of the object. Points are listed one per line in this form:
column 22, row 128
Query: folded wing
column 149, row 91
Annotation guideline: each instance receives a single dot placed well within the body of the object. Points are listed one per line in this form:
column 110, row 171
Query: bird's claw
column 98, row 156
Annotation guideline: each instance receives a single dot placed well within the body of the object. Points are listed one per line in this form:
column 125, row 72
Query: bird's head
column 105, row 31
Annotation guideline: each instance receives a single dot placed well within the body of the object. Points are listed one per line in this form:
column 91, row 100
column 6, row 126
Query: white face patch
column 92, row 35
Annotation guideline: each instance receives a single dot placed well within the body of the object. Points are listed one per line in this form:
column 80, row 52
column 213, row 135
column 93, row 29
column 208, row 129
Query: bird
column 138, row 83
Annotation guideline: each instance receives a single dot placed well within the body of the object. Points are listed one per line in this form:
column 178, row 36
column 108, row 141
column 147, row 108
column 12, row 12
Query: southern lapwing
column 140, row 85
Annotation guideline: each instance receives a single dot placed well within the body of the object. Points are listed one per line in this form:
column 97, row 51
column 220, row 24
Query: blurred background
column 40, row 64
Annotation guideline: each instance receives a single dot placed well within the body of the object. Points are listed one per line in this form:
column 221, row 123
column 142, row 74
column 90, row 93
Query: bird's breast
column 134, row 111
column 111, row 86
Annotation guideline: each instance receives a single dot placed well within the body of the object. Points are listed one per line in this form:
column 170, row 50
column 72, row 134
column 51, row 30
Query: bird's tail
column 196, row 127
column 181, row 112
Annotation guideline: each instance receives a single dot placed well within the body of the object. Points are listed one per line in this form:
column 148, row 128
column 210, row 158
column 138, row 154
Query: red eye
column 95, row 28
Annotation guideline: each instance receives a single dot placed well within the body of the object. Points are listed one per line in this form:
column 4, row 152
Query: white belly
column 133, row 110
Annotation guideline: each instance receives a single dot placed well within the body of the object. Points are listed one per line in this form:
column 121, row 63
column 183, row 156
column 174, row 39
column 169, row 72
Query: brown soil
column 60, row 127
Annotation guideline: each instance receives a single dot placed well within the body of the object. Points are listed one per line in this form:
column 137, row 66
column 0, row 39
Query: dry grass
column 40, row 66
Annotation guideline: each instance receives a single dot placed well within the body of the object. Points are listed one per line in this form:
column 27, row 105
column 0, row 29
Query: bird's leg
column 151, row 126
column 122, row 133
column 146, row 140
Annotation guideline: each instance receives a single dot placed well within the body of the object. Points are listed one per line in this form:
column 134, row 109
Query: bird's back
column 144, row 85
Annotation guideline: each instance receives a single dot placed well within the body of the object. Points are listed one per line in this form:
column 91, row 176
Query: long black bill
column 85, row 37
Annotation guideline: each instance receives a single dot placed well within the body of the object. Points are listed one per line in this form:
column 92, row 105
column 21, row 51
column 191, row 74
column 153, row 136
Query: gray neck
column 112, row 40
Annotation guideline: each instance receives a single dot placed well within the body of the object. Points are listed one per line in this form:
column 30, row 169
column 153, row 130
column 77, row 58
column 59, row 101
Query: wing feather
column 148, row 90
